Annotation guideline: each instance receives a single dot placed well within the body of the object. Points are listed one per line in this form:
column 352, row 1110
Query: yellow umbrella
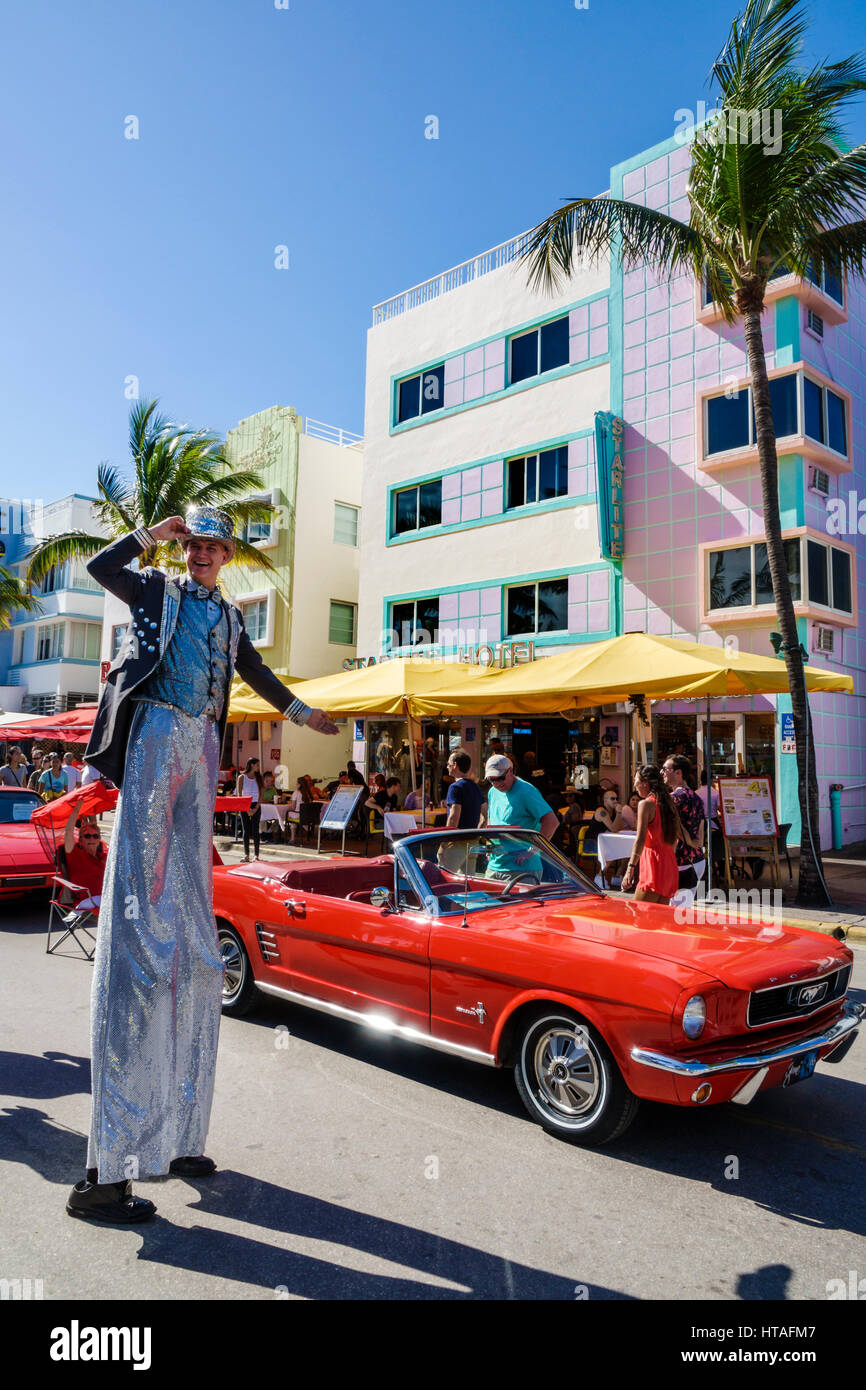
column 405, row 685
column 660, row 668
column 245, row 704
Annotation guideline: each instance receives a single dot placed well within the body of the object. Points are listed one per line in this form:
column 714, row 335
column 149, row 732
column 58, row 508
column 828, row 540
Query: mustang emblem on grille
column 810, row 994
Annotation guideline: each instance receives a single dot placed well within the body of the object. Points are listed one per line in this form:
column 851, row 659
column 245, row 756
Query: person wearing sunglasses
column 85, row 857
column 513, row 802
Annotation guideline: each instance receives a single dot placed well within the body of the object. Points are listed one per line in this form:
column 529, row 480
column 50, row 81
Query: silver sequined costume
column 158, row 974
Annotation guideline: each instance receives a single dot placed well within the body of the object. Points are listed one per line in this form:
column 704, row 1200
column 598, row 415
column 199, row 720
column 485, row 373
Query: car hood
column 742, row 955
column 20, row 845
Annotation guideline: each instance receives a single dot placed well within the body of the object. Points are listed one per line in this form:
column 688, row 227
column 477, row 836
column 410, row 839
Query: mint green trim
column 792, row 499
column 513, row 514
column 787, row 331
column 563, row 638
column 506, row 514
column 53, row 661
column 568, row 370
column 503, row 335
column 618, row 607
column 637, row 161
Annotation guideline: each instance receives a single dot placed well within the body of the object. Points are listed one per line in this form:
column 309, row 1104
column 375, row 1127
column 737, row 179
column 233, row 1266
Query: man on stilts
column 157, row 985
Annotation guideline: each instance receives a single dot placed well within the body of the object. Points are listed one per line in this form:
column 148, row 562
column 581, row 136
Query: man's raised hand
column 319, row 721
column 171, row 530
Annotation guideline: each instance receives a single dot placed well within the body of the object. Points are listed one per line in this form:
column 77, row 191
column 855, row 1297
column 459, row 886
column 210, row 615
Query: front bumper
column 849, row 1022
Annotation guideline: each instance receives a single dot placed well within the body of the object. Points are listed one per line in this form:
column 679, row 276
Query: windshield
column 472, row 872
column 17, row 808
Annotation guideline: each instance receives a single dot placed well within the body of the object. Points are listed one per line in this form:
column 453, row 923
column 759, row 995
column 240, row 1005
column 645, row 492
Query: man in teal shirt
column 513, row 802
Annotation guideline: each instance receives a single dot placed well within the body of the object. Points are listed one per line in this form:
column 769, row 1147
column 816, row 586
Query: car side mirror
column 381, row 897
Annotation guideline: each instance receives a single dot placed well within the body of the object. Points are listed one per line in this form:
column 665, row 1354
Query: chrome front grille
column 785, row 1003
column 267, row 942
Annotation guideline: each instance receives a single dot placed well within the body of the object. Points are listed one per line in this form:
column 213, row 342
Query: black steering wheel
column 515, row 878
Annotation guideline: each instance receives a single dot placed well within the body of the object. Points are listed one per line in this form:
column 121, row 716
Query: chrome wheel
column 569, row 1075
column 568, row 1079
column 239, row 991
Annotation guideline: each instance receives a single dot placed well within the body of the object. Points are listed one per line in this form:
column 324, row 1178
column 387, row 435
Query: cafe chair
column 309, row 815
column 784, row 831
column 375, row 830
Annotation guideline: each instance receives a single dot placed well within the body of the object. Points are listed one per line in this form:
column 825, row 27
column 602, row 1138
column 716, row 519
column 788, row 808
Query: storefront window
column 388, row 751
column 675, row 734
column 760, row 745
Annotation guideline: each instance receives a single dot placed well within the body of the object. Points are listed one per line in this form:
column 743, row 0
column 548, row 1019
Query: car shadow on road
column 795, row 1148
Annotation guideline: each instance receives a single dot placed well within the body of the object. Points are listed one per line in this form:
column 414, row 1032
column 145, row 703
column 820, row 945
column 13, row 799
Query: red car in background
column 490, row 945
column 25, row 863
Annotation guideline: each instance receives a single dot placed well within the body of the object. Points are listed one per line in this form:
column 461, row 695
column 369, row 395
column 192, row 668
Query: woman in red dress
column 85, row 857
column 658, row 829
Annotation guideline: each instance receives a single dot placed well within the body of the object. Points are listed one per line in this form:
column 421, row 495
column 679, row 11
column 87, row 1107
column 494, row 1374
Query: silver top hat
column 212, row 522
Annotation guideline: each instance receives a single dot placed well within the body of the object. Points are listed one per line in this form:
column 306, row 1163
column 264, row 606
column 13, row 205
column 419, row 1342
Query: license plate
column 801, row 1068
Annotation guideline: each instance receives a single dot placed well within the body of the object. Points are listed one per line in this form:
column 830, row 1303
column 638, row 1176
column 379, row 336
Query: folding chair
column 71, row 921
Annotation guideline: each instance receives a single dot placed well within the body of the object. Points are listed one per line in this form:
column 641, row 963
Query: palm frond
column 72, row 545
column 14, row 597
column 764, row 41
column 589, row 227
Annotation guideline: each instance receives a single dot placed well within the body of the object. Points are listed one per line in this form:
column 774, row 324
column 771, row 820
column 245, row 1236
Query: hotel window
column 18, row 647
column 537, row 477
column 536, row 608
column 118, row 633
column 56, row 578
column 830, row 281
column 84, row 640
column 345, row 524
column 540, row 350
column 49, row 642
column 341, row 625
column 829, row 576
column 415, row 623
column 740, row 575
column 420, row 394
column 259, row 532
column 418, row 507
column 255, row 616
column 799, row 405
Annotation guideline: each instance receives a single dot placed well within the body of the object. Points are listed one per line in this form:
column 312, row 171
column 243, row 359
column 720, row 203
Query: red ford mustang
column 24, row 862
column 491, row 946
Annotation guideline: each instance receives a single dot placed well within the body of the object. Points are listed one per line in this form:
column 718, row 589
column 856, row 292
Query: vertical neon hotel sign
column 610, row 476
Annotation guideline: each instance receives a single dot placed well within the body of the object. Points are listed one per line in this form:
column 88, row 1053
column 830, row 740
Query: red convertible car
column 25, row 863
column 491, row 946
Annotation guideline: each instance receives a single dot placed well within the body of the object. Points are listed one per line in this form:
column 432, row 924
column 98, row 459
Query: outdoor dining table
column 613, row 847
column 272, row 810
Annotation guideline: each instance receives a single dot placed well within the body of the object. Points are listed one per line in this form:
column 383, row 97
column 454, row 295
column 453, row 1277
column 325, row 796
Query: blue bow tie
column 199, row 591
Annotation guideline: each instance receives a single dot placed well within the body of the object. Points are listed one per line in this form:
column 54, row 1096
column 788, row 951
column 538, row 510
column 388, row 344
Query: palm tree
column 752, row 215
column 14, row 595
column 173, row 468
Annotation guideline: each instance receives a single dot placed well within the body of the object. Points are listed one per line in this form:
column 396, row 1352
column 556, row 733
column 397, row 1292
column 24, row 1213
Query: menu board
column 339, row 809
column 747, row 808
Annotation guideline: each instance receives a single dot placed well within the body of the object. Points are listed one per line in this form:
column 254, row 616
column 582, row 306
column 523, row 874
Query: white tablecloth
column 611, row 847
column 272, row 811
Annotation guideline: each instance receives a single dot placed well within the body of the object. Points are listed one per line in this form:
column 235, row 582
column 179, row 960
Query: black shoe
column 111, row 1202
column 200, row 1167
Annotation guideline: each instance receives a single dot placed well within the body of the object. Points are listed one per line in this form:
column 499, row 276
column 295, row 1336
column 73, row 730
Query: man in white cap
column 513, row 802
column 158, row 973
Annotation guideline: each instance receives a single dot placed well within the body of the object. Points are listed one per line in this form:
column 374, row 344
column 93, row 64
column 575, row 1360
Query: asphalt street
column 354, row 1167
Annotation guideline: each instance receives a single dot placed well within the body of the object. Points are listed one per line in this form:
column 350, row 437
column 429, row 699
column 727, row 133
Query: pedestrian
column 677, row 772
column 36, row 769
column 658, row 829
column 14, row 771
column 158, row 973
column 513, row 802
column 465, row 798
column 52, row 779
column 73, row 774
column 709, row 798
column 89, row 774
column 250, row 784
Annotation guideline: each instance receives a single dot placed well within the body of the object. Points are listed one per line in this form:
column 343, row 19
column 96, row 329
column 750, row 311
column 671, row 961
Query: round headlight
column 694, row 1016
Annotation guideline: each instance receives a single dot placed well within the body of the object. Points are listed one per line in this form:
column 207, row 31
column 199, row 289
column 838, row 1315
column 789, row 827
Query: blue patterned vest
column 193, row 673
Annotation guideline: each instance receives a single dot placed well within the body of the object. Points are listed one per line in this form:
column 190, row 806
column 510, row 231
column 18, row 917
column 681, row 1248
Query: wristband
column 298, row 712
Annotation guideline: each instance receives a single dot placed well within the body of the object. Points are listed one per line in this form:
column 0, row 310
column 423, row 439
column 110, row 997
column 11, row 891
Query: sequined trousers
column 157, row 985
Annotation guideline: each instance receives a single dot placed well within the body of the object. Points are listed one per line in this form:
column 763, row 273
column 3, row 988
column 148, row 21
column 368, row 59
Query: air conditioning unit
column 824, row 639
column 819, row 481
column 815, row 323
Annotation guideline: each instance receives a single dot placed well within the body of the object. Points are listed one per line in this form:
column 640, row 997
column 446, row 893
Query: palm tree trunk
column 811, row 890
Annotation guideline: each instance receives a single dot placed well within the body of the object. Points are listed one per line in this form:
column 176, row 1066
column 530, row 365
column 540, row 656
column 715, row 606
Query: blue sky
column 303, row 127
